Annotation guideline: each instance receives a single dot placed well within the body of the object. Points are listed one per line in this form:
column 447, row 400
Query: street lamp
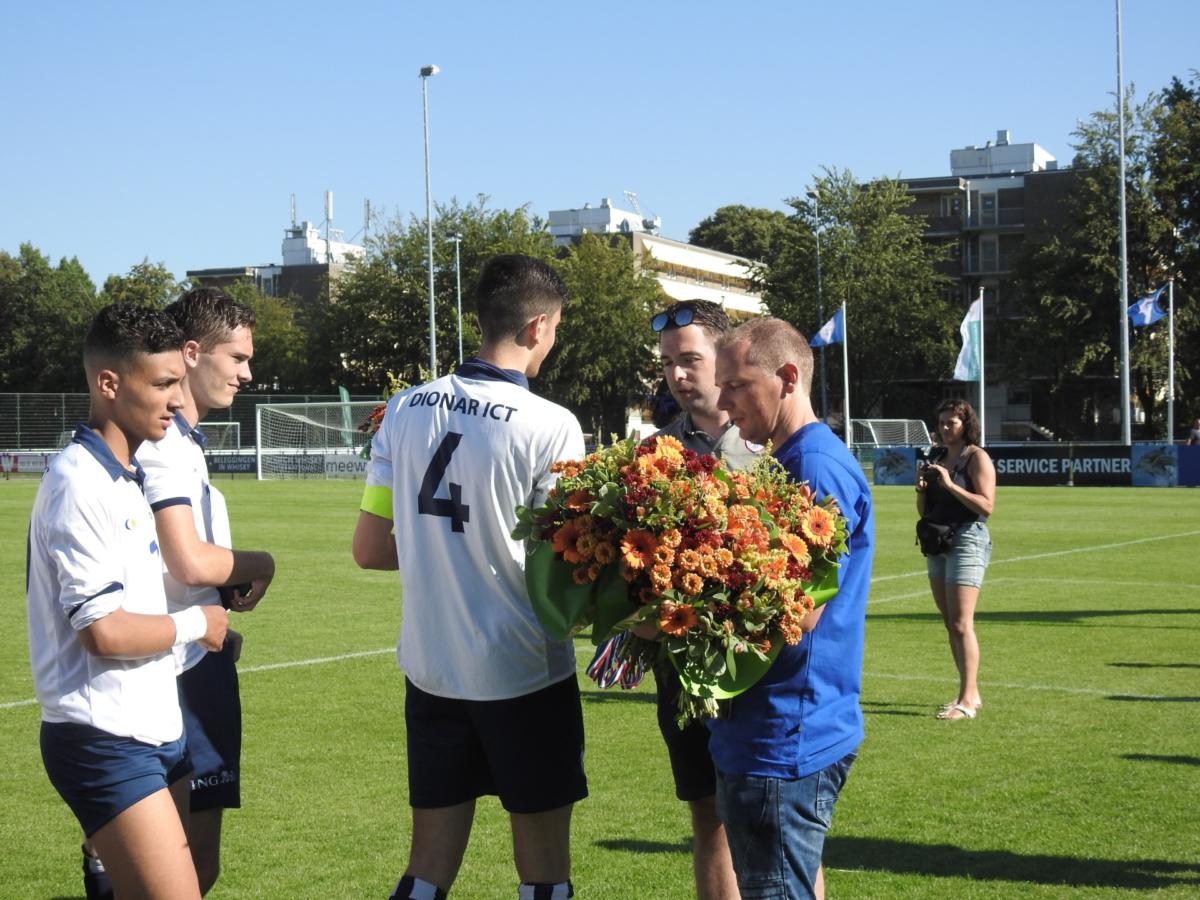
column 457, row 238
column 812, row 195
column 426, row 73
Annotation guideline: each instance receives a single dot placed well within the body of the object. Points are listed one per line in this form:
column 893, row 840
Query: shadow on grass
column 1125, row 665
column 892, row 712
column 1154, row 757
column 1048, row 617
column 609, row 695
column 684, row 845
column 948, row 861
column 1134, row 698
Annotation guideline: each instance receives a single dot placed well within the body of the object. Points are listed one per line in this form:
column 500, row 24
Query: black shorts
column 212, row 724
column 528, row 750
column 691, row 763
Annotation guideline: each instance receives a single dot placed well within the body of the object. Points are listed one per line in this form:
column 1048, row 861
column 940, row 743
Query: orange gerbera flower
column 819, row 527
column 676, row 620
column 637, row 549
column 579, row 501
column 565, row 540
column 795, row 545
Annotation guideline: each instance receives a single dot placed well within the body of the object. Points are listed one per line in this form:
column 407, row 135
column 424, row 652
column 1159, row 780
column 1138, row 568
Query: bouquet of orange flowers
column 725, row 563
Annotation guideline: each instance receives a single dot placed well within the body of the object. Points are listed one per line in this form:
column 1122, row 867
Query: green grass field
column 1081, row 777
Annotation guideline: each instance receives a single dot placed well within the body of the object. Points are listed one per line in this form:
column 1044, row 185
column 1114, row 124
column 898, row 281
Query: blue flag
column 832, row 332
column 1147, row 311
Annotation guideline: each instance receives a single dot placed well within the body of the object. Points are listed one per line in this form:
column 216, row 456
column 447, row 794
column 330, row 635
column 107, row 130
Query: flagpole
column 1171, row 361
column 1126, row 426
column 982, row 383
column 846, row 379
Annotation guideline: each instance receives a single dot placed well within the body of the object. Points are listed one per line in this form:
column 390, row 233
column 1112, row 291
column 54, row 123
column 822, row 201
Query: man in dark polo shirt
column 687, row 336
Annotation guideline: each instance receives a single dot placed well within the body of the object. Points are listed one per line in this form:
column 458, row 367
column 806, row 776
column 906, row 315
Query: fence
column 33, row 422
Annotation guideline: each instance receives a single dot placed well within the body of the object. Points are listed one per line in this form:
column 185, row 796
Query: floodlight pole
column 1171, row 361
column 1126, row 424
column 426, row 73
column 815, row 197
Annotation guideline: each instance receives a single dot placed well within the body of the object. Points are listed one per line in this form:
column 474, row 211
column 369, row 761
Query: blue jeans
column 776, row 829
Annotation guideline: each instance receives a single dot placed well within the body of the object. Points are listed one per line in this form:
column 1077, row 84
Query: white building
column 684, row 271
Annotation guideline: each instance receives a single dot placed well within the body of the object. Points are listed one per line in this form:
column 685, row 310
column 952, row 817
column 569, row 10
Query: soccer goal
column 889, row 433
column 223, row 435
column 312, row 440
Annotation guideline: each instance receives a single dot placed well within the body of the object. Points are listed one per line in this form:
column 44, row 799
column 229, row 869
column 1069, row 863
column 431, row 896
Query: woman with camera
column 956, row 491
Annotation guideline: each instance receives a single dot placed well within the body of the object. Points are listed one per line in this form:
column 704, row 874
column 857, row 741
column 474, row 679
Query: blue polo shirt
column 804, row 715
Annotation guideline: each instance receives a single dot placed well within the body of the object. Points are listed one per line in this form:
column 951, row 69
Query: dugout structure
column 889, row 433
column 312, row 440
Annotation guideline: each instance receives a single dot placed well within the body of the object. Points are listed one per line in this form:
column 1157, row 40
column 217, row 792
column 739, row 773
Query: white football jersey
column 93, row 549
column 176, row 473
column 459, row 455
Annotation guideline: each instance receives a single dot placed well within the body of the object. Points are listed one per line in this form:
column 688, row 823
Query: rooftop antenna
column 366, row 220
column 328, row 225
column 293, row 210
column 651, row 224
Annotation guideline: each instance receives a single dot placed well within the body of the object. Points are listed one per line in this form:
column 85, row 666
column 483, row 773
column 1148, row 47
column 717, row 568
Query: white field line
column 1031, row 556
column 1103, row 582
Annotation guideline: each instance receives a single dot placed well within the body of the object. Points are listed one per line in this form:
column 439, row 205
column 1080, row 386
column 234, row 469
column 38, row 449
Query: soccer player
column 687, row 342
column 785, row 749
column 100, row 636
column 194, row 533
column 491, row 703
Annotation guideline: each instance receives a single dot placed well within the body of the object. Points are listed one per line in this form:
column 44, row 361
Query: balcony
column 1009, row 217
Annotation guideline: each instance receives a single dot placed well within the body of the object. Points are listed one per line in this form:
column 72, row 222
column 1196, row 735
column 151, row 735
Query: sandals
column 957, row 712
column 953, row 703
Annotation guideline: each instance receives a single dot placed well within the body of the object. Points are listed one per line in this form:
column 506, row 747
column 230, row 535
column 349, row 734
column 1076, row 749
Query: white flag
column 969, row 364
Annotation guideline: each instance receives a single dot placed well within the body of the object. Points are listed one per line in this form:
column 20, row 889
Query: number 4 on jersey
column 453, row 509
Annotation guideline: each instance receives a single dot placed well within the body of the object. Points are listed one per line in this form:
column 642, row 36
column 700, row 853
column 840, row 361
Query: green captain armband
column 377, row 501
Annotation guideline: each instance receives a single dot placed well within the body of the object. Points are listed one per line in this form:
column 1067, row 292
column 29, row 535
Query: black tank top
column 943, row 507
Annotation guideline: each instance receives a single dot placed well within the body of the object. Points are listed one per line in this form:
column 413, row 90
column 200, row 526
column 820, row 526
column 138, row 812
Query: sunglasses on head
column 680, row 318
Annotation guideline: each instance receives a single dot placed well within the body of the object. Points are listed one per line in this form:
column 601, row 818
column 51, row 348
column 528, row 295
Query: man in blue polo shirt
column 100, row 636
column 788, row 741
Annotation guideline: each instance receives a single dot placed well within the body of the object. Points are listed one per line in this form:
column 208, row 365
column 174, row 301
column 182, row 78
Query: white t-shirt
column 92, row 550
column 176, row 473
column 459, row 455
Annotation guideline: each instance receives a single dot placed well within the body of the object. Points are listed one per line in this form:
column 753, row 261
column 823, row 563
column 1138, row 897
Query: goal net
column 312, row 440
column 889, row 433
column 223, row 435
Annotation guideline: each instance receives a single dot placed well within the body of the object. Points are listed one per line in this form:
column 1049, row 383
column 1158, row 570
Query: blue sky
column 177, row 131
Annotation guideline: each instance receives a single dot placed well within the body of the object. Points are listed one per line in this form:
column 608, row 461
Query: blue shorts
column 967, row 559
column 212, row 723
column 101, row 775
column 776, row 829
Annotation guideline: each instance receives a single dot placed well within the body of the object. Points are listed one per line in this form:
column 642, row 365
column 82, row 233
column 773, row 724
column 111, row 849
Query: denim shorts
column 776, row 829
column 967, row 560
column 101, row 775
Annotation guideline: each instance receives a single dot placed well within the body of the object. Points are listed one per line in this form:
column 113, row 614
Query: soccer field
column 1081, row 776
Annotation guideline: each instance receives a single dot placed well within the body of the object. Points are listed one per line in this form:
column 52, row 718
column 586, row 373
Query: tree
column 1068, row 336
column 377, row 321
column 45, row 312
column 752, row 232
column 875, row 259
column 280, row 342
column 146, row 283
column 604, row 358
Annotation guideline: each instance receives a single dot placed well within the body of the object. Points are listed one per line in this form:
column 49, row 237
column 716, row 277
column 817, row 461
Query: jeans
column 776, row 829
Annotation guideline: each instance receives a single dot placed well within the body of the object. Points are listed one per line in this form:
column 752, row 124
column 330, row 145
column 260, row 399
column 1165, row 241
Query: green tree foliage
column 753, row 232
column 378, row 318
column 1068, row 336
column 146, row 283
column 45, row 311
column 604, row 359
column 280, row 343
column 874, row 258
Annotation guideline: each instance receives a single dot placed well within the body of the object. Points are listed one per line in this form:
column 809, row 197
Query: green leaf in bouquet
column 731, row 662
column 825, row 587
column 563, row 607
column 613, row 608
column 733, row 681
